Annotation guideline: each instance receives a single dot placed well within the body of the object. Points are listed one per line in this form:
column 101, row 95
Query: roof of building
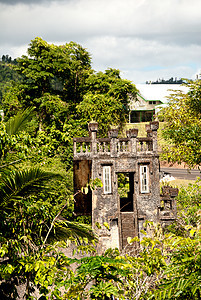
column 159, row 92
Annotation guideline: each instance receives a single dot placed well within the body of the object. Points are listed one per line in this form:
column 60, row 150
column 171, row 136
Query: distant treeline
column 8, row 59
column 168, row 81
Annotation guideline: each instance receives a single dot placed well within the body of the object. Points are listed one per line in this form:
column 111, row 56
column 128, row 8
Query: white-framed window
column 107, row 184
column 144, row 179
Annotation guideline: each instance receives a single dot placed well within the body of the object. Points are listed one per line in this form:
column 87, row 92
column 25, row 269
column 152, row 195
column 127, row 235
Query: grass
column 178, row 183
column 139, row 126
column 142, row 131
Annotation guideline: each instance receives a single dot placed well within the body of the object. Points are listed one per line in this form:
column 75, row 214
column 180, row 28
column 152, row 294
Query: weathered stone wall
column 123, row 155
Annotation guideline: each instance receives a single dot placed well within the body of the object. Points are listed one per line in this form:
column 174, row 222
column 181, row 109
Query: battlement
column 88, row 147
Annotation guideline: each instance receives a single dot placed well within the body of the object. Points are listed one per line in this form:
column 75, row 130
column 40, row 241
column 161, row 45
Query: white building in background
column 150, row 98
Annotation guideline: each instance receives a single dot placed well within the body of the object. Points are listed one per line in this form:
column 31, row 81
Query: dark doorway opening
column 126, row 191
column 82, row 176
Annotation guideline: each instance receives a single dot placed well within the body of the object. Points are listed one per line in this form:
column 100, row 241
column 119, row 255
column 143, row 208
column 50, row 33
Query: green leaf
column 106, row 225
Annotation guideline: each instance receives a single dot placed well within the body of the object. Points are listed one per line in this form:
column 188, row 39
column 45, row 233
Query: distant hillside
column 7, row 74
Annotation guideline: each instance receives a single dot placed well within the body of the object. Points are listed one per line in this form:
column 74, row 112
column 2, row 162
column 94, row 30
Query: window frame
column 107, row 180
column 144, row 176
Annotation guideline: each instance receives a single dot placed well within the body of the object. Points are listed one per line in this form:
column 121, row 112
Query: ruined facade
column 131, row 160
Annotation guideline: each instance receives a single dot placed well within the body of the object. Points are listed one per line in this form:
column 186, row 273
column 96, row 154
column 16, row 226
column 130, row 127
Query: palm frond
column 64, row 230
column 19, row 121
column 18, row 183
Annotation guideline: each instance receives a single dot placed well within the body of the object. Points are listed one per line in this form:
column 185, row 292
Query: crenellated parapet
column 87, row 147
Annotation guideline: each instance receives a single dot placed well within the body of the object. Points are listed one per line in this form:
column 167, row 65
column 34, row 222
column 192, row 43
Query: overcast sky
column 145, row 39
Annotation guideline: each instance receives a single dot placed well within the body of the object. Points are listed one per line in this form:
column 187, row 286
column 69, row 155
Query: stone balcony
column 88, row 147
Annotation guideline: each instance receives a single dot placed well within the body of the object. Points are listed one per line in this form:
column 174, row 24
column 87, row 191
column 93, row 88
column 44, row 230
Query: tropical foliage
column 7, row 74
column 56, row 94
column 31, row 219
column 183, row 126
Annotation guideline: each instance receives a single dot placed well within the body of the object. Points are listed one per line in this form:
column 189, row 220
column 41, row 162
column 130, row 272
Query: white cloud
column 141, row 37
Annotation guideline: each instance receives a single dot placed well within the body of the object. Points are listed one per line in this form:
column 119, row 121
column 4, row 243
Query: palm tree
column 25, row 236
column 10, row 129
column 19, row 122
column 19, row 185
column 27, row 224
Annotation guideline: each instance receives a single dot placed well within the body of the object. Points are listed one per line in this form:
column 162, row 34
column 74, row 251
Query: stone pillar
column 93, row 128
column 113, row 134
column 133, row 137
column 154, row 127
column 148, row 130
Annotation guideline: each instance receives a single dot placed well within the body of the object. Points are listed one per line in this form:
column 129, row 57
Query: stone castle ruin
column 136, row 160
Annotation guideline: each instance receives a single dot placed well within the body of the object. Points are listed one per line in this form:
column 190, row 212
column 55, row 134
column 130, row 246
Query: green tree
column 53, row 78
column 67, row 94
column 188, row 208
column 183, row 126
column 182, row 276
column 31, row 222
column 12, row 139
column 59, row 82
column 7, row 74
column 101, row 273
column 106, row 100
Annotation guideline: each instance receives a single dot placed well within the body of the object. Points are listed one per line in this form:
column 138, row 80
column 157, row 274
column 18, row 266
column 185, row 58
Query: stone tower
column 134, row 159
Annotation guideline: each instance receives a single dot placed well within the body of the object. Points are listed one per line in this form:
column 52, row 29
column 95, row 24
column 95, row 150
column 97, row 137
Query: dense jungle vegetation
column 48, row 97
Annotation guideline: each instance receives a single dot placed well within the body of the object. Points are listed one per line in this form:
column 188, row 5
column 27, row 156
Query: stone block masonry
column 111, row 159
